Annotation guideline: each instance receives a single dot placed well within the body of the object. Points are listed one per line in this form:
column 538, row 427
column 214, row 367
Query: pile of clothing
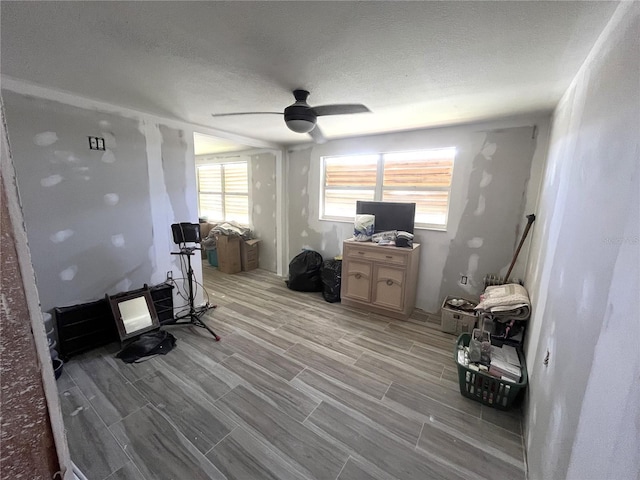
column 231, row 229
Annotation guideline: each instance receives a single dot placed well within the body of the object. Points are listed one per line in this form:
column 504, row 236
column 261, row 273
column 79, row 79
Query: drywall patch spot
column 104, row 124
column 304, row 212
column 61, row 236
column 489, row 150
column 86, row 178
column 80, row 169
column 117, row 240
column 486, row 179
column 45, row 139
column 257, row 209
column 69, row 273
column 304, row 170
column 475, row 242
column 108, row 156
column 481, row 206
column 65, row 156
column 304, row 234
column 109, row 140
column 111, row 199
column 273, row 197
column 51, row 180
column 304, row 191
column 77, row 411
column 258, row 185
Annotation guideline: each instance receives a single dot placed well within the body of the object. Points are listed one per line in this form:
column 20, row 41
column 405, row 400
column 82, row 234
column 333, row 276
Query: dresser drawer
column 378, row 254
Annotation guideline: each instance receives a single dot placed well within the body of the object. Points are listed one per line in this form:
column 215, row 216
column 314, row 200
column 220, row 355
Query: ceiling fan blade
column 340, row 109
column 317, row 135
column 244, row 113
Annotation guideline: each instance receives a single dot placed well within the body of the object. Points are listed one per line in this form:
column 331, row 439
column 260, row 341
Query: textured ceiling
column 414, row 64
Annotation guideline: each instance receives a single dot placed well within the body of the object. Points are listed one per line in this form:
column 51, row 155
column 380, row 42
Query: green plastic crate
column 485, row 388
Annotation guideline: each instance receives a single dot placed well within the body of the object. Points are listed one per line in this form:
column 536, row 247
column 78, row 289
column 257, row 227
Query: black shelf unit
column 90, row 325
column 162, row 296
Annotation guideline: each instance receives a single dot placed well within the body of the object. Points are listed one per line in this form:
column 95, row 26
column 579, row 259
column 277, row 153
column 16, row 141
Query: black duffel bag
column 147, row 346
column 304, row 272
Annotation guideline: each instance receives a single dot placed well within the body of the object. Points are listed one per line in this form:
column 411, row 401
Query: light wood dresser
column 380, row 279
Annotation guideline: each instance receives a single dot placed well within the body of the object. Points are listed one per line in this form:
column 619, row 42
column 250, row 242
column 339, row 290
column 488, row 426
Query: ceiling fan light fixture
column 300, row 125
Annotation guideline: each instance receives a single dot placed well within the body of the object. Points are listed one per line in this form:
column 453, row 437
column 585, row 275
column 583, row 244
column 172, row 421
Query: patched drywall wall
column 263, row 206
column 98, row 221
column 582, row 415
column 488, row 229
column 489, row 192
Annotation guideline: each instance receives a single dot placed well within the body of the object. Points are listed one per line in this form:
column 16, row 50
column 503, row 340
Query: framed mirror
column 134, row 312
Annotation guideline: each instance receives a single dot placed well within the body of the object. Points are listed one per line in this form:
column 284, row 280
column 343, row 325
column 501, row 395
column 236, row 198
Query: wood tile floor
column 297, row 388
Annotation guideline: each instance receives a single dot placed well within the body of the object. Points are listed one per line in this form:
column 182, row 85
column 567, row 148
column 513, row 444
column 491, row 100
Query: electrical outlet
column 463, row 279
column 96, row 143
column 170, row 275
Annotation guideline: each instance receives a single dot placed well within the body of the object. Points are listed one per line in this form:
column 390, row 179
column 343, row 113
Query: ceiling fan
column 300, row 117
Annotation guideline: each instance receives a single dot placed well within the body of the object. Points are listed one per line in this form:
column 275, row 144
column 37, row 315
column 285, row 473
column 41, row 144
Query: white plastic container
column 454, row 320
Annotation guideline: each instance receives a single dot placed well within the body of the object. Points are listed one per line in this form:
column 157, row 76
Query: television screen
column 389, row 215
column 186, row 232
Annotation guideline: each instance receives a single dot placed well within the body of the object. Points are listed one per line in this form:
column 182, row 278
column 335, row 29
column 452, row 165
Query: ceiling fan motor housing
column 300, row 117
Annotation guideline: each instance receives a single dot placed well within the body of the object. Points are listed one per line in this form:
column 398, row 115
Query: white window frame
column 380, row 188
column 210, row 161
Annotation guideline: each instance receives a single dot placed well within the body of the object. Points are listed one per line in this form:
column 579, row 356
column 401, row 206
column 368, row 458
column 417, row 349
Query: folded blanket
column 510, row 301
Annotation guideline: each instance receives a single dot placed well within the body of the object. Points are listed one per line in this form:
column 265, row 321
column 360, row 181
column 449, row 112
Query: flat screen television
column 389, row 215
column 186, row 232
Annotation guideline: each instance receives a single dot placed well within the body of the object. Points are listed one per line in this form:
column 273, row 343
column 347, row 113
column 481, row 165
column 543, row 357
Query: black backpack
column 147, row 345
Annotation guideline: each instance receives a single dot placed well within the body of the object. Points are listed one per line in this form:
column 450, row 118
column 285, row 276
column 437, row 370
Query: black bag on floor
column 331, row 280
column 304, row 272
column 147, row 345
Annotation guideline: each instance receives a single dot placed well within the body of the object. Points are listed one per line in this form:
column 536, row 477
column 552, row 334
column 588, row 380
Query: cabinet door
column 357, row 276
column 389, row 287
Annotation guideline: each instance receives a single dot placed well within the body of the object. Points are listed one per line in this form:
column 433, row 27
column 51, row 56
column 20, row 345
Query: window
column 223, row 192
column 422, row 177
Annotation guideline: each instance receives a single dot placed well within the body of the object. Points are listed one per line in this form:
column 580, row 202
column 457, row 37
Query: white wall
column 495, row 181
column 583, row 411
column 99, row 222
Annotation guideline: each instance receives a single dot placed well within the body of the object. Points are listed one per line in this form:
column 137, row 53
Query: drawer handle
column 389, row 256
column 361, row 253
column 358, row 276
column 389, row 282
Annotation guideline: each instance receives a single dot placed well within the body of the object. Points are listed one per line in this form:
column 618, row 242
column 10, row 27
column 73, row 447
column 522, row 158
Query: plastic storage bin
column 456, row 321
column 485, row 388
column 212, row 256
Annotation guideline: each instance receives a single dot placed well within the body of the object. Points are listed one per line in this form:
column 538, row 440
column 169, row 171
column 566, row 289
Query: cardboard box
column 457, row 321
column 249, row 254
column 228, row 249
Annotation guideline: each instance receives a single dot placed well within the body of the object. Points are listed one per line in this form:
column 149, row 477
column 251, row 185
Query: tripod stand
column 193, row 316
